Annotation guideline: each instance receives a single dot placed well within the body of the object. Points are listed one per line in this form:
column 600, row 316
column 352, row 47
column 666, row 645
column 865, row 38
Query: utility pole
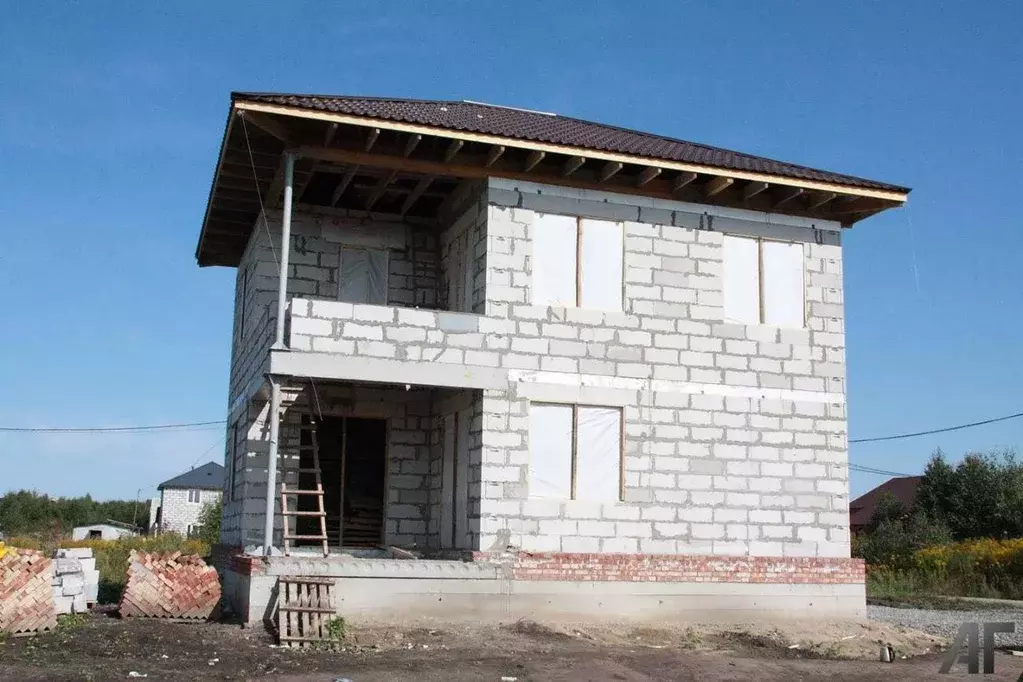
column 135, row 512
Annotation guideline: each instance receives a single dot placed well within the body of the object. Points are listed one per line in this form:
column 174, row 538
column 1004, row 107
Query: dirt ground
column 103, row 647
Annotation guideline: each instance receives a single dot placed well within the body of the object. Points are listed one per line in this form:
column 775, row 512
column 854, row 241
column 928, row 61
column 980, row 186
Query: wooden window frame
column 760, row 277
column 577, row 303
column 573, row 492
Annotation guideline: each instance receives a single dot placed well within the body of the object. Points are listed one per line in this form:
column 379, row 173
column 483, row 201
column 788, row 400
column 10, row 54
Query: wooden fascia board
column 216, row 179
column 412, row 128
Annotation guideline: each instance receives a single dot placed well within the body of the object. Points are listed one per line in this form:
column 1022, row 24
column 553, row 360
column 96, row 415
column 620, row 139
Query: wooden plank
column 717, row 186
column 682, row 180
column 609, row 170
column 789, row 195
column 268, row 125
column 752, row 189
column 371, row 138
column 328, row 136
column 452, row 150
column 820, row 200
column 647, row 175
column 343, row 185
column 306, row 622
column 533, row 159
column 292, row 632
column 414, row 195
column 411, row 144
column 493, row 155
column 572, row 165
column 379, row 190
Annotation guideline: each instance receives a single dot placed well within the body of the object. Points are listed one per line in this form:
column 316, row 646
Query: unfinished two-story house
column 490, row 362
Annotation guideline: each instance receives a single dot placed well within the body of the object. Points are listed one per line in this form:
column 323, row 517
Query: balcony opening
column 353, row 465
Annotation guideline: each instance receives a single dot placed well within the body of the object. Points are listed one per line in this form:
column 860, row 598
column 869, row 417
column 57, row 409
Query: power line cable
column 872, row 470
column 187, row 426
column 933, row 431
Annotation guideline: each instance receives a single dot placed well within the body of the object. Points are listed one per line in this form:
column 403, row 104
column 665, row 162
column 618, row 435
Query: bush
column 895, row 533
column 209, row 523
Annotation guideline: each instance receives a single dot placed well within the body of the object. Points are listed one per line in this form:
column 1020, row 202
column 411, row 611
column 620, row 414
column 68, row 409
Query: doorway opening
column 353, row 468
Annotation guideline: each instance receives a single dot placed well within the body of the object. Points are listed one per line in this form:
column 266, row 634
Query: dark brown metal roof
column 541, row 127
column 862, row 509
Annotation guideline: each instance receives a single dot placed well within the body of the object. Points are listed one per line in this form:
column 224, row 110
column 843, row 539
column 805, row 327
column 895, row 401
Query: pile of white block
column 75, row 580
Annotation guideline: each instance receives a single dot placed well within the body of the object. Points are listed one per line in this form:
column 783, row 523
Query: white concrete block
column 73, row 584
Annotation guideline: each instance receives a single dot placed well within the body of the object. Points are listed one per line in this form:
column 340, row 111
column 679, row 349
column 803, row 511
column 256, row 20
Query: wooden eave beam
column 682, row 180
column 276, row 186
column 452, row 150
column 328, row 137
column 820, row 200
column 494, row 154
column 716, row 186
column 609, row 170
column 379, row 190
column 411, row 144
column 572, row 165
column 371, row 139
column 893, row 195
column 647, row 175
column 861, row 205
column 752, row 189
column 790, row 194
column 267, row 125
column 346, row 180
column 533, row 159
column 416, row 192
column 507, row 167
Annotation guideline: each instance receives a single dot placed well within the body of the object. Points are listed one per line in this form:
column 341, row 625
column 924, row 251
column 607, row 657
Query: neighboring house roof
column 862, row 508
column 536, row 126
column 125, row 528
column 209, row 476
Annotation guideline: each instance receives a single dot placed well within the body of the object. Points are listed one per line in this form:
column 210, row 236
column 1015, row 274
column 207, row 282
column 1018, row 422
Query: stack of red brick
column 26, row 596
column 169, row 586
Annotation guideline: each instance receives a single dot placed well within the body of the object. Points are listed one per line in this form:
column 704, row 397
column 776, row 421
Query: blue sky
column 113, row 112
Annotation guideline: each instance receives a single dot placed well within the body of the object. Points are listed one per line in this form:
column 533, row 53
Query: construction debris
column 26, row 600
column 169, row 586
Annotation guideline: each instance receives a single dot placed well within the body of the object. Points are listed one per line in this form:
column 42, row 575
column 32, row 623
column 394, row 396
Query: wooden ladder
column 314, row 448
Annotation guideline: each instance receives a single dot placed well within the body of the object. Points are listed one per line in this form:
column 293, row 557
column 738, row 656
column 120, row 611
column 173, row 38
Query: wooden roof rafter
column 369, row 148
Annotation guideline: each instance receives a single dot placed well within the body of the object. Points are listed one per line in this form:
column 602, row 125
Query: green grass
column 918, row 589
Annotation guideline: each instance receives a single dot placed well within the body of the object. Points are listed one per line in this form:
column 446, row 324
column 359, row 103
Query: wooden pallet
column 305, row 607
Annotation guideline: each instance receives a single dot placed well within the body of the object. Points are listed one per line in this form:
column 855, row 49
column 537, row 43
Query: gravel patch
column 946, row 623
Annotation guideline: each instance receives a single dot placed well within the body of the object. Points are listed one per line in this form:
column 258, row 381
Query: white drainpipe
column 275, row 388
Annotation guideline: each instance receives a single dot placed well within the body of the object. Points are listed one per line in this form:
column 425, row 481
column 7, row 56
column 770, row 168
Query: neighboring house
column 183, row 497
column 603, row 369
column 862, row 509
column 102, row 531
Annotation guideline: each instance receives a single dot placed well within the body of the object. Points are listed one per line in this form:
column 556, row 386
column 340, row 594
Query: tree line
column 27, row 512
column 980, row 497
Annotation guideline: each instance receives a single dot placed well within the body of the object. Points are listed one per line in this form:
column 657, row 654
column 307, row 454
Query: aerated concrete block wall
column 178, row 513
column 316, row 243
column 314, row 261
column 735, row 435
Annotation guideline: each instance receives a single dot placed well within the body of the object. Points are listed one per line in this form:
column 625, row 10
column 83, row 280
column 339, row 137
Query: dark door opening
column 353, row 468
